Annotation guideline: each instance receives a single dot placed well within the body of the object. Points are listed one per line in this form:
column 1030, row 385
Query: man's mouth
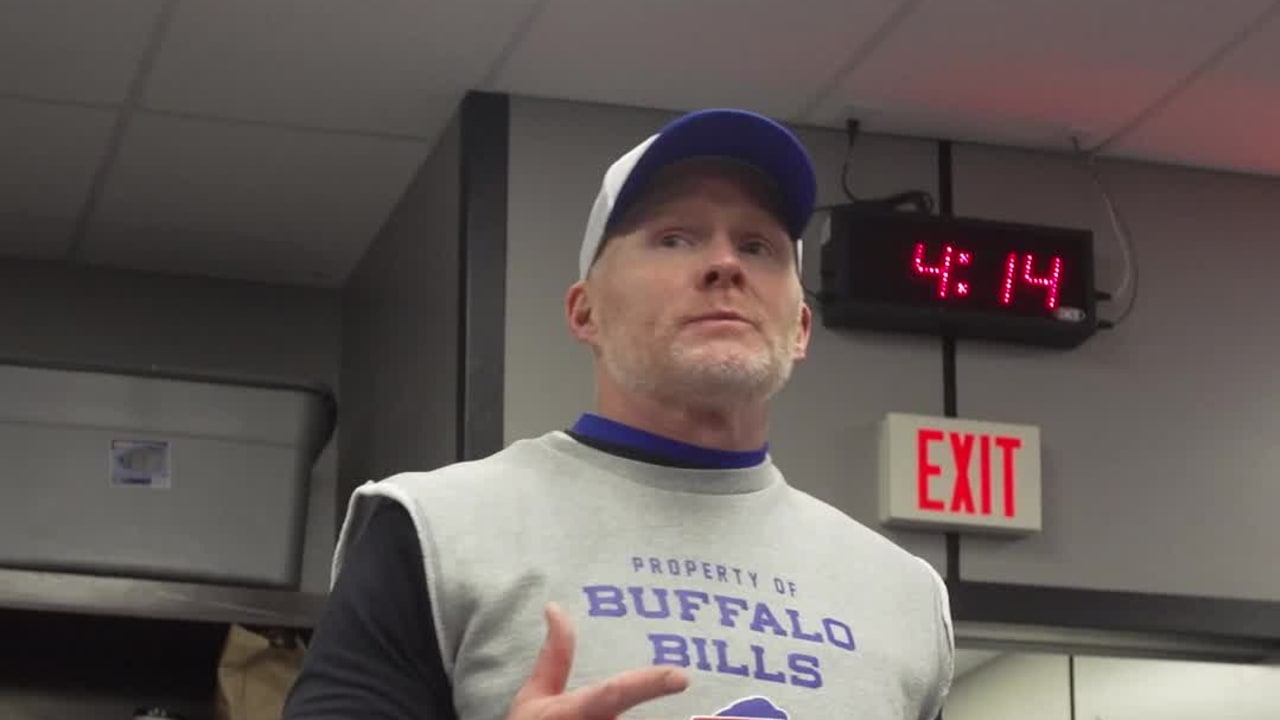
column 722, row 316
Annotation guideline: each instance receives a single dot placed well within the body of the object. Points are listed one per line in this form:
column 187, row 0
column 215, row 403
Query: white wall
column 1128, row 689
column 1017, row 686
column 823, row 425
column 1161, row 437
column 1030, row 685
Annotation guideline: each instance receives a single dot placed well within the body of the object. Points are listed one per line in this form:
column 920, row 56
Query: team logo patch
column 753, row 708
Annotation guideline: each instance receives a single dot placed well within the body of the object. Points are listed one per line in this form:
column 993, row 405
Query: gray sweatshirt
column 778, row 605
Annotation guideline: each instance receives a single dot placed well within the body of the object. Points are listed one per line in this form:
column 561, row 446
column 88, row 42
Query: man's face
column 697, row 295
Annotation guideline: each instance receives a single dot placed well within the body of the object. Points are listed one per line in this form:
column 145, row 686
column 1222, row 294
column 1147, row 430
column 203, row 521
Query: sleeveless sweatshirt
column 776, row 604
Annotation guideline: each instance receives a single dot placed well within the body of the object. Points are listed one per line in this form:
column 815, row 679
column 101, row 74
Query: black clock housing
column 892, row 270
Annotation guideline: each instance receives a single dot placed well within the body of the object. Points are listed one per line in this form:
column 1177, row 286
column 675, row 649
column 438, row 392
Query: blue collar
column 610, row 432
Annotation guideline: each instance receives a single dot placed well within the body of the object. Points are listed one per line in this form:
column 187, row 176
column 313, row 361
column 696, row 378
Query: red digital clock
column 964, row 277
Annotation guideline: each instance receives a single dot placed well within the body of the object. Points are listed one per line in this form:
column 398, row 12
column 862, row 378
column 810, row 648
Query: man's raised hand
column 543, row 695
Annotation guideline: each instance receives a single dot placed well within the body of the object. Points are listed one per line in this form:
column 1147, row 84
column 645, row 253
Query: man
column 651, row 561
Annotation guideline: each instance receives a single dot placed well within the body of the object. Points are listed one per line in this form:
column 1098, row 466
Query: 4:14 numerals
column 1019, row 275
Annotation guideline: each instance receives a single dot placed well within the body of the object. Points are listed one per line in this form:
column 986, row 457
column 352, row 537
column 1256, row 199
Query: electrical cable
column 1129, row 278
column 920, row 199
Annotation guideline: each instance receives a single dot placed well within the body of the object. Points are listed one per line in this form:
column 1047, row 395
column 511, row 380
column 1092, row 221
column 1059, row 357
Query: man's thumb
column 551, row 670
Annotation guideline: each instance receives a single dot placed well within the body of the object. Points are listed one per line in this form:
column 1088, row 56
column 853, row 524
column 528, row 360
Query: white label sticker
column 140, row 463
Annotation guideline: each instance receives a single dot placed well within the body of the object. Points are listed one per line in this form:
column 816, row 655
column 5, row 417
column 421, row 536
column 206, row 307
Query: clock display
column 966, row 277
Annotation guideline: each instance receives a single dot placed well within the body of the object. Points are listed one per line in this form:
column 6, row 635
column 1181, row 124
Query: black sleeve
column 373, row 654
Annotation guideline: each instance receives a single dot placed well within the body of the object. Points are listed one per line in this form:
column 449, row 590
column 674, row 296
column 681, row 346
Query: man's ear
column 578, row 312
column 803, row 330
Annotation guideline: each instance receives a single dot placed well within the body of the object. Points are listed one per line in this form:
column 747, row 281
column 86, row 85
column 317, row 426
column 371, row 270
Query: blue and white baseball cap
column 719, row 132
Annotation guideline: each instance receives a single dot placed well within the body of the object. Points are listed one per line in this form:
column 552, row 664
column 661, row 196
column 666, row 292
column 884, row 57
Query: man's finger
column 610, row 698
column 551, row 670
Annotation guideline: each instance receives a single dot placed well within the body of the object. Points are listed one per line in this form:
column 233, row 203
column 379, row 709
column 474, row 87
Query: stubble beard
column 715, row 373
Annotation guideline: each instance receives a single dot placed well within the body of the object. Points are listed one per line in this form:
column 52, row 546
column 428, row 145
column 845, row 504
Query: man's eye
column 757, row 247
column 673, row 240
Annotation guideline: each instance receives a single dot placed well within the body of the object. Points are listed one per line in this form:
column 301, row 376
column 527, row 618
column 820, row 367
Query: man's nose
column 724, row 267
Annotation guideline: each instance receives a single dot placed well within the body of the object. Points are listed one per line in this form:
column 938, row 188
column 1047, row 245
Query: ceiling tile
column 48, row 155
column 72, row 49
column 1226, row 119
column 1032, row 72
column 758, row 54
column 395, row 66
column 248, row 202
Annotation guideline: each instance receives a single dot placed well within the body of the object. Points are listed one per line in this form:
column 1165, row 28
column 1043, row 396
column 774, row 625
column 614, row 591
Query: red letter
column 925, row 470
column 985, row 459
column 1008, row 445
column 962, row 450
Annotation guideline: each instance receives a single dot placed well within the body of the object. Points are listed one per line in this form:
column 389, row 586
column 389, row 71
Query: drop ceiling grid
column 48, row 156
column 363, row 93
column 73, row 51
column 1225, row 119
column 245, row 200
column 366, row 93
column 1032, row 73
column 331, row 64
column 763, row 55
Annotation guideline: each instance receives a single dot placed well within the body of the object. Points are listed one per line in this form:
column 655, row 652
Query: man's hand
column 543, row 696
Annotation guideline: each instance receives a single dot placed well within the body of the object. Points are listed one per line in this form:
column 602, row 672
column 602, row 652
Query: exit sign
column 959, row 474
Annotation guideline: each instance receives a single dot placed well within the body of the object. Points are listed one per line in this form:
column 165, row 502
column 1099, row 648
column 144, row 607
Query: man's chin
column 723, row 377
column 718, row 373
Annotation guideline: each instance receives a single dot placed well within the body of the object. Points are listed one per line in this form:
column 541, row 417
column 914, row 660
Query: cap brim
column 735, row 134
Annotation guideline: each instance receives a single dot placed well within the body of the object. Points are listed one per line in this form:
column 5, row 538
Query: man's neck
column 739, row 428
